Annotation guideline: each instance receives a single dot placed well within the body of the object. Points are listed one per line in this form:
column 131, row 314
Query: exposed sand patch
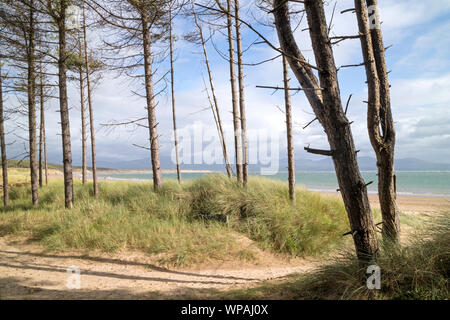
column 27, row 272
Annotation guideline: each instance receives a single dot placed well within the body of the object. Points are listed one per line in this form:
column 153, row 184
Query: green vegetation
column 418, row 271
column 185, row 224
column 26, row 164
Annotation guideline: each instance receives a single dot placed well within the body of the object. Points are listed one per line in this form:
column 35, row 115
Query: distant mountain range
column 326, row 164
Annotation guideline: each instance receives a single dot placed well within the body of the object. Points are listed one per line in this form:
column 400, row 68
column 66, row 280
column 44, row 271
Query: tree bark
column 290, row 141
column 91, row 109
column 83, row 124
column 213, row 92
column 64, row 109
column 45, row 153
column 385, row 150
column 3, row 146
column 241, row 94
column 174, row 118
column 41, row 128
column 234, row 101
column 154, row 146
column 326, row 103
column 42, row 137
column 31, row 86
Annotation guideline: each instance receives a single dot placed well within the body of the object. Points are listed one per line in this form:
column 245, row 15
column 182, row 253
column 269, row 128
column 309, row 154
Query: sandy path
column 26, row 272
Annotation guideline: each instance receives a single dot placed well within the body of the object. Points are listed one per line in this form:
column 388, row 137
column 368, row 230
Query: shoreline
column 406, row 203
column 146, row 171
column 409, row 204
column 326, row 191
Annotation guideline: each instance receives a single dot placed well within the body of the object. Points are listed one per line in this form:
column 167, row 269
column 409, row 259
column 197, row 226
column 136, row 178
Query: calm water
column 416, row 183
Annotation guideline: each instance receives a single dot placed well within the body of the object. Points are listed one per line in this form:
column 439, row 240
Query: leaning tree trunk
column 385, row 145
column 172, row 81
column 153, row 132
column 31, row 86
column 91, row 108
column 290, row 142
column 3, row 146
column 83, row 125
column 234, row 102
column 326, row 103
column 64, row 109
column 213, row 92
column 241, row 94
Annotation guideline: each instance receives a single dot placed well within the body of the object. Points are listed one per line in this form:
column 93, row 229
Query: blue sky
column 419, row 59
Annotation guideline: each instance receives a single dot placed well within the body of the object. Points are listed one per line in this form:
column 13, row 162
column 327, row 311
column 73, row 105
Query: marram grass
column 417, row 271
column 187, row 224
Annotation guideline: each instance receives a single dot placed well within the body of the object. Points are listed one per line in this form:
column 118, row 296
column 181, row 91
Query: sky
column 419, row 32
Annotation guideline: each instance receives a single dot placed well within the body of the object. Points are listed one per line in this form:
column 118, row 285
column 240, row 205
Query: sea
column 409, row 183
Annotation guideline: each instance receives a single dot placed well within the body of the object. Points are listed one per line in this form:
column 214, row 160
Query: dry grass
column 187, row 224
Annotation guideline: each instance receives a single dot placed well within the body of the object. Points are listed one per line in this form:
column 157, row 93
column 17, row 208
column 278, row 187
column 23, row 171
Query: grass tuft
column 419, row 271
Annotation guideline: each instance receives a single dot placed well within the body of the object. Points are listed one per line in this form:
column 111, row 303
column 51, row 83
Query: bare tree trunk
column 241, row 95
column 64, row 109
column 45, row 150
column 234, row 102
column 31, row 84
column 41, row 127
column 154, row 146
column 326, row 103
column 213, row 92
column 174, row 118
column 290, row 141
column 42, row 138
column 211, row 105
column 3, row 146
column 83, row 125
column 91, row 109
column 384, row 149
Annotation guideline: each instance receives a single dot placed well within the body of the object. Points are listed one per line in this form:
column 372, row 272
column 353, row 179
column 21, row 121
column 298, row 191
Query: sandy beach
column 411, row 204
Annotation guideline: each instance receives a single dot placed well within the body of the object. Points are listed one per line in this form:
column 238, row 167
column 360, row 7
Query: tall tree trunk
column 64, row 109
column 91, row 109
column 234, row 101
column 83, row 129
column 42, row 138
column 290, row 142
column 174, row 118
column 385, row 149
column 213, row 92
column 153, row 132
column 31, row 86
column 3, row 145
column 241, row 94
column 83, row 124
column 41, row 127
column 45, row 149
column 326, row 103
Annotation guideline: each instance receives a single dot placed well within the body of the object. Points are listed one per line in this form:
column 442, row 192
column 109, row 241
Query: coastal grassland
column 185, row 224
column 18, row 175
column 418, row 271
